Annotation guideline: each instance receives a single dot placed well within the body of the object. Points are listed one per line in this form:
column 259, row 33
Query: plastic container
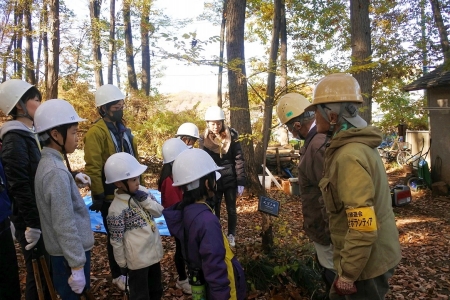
column 295, row 188
column 401, row 195
column 268, row 181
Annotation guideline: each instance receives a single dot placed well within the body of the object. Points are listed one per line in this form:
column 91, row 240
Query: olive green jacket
column 98, row 146
column 355, row 178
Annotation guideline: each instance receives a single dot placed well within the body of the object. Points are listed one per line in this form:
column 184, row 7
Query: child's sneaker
column 120, row 282
column 231, row 240
column 185, row 286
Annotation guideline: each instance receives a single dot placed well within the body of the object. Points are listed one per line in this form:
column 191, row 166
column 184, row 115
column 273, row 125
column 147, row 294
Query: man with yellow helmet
column 356, row 192
column 302, row 125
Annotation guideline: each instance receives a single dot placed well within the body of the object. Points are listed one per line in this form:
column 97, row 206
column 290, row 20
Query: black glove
column 140, row 196
column 124, row 271
column 97, row 202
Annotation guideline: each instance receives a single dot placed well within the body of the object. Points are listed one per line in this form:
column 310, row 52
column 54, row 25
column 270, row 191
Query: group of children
column 52, row 221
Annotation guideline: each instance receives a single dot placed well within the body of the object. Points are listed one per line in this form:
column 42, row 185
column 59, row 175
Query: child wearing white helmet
column 65, row 220
column 134, row 236
column 20, row 155
column 188, row 133
column 205, row 247
column 171, row 195
column 222, row 143
column 107, row 136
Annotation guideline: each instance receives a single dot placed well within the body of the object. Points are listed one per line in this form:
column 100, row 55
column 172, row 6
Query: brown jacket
column 315, row 219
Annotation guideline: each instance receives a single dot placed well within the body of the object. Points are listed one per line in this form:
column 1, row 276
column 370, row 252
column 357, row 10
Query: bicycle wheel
column 403, row 157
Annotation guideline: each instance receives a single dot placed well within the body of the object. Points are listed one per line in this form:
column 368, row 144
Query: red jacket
column 170, row 194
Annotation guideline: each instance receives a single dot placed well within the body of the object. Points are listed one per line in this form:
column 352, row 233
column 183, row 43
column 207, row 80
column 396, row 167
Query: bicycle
column 399, row 151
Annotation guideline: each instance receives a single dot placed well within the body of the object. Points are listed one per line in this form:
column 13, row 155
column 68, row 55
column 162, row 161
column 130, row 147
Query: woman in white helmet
column 107, row 136
column 65, row 220
column 134, row 236
column 221, row 142
column 20, row 155
column 171, row 195
column 188, row 133
column 205, row 248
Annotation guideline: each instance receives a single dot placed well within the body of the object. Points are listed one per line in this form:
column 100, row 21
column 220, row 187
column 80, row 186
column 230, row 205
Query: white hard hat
column 10, row 93
column 191, row 165
column 107, row 93
column 214, row 113
column 189, row 129
column 53, row 113
column 171, row 148
column 122, row 166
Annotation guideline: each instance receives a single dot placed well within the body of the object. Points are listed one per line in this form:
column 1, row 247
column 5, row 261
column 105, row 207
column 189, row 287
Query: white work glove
column 77, row 281
column 240, row 190
column 32, row 236
column 82, row 180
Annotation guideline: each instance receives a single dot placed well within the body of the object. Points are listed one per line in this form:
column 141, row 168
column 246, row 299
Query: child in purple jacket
column 192, row 221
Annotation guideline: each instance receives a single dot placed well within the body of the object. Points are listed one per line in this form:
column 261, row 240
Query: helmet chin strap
column 25, row 114
column 63, row 148
column 330, row 129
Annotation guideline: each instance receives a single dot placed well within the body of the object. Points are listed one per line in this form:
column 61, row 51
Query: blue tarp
column 97, row 220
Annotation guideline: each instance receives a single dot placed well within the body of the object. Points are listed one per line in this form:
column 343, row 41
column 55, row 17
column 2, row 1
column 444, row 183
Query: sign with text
column 269, row 206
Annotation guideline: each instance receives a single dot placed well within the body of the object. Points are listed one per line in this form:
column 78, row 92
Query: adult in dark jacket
column 302, row 125
column 204, row 246
column 9, row 269
column 221, row 142
column 20, row 156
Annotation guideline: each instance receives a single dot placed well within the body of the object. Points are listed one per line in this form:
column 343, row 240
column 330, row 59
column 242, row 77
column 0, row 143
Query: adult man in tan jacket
column 356, row 193
column 301, row 124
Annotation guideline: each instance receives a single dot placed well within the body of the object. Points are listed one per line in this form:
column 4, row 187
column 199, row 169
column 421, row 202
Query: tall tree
column 239, row 106
column 18, row 27
column 145, row 45
column 94, row 10
column 222, row 43
column 443, row 35
column 283, row 49
column 112, row 39
column 53, row 61
column 362, row 52
column 132, row 81
column 29, row 57
column 45, row 40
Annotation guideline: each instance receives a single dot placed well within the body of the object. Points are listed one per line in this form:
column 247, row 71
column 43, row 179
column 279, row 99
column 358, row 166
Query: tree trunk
column 38, row 56
column 94, row 9
column 18, row 21
column 53, row 61
column 443, row 36
column 132, row 81
column 29, row 56
column 283, row 50
column 112, row 39
column 45, row 40
column 5, row 58
column 145, row 45
column 361, row 53
column 239, row 106
column 117, row 69
column 222, row 43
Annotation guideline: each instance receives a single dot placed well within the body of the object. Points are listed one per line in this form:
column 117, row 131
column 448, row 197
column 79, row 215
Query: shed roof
column 439, row 77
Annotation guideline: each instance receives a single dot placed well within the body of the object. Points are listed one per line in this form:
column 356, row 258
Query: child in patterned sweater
column 134, row 236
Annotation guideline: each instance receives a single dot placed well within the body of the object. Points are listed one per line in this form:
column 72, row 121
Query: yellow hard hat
column 290, row 106
column 338, row 87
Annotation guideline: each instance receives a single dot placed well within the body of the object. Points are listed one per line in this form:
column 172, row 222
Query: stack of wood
column 281, row 157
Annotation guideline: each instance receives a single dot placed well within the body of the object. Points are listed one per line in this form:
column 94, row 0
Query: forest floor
column 423, row 273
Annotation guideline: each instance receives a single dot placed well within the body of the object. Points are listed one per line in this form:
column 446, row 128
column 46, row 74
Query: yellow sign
column 362, row 218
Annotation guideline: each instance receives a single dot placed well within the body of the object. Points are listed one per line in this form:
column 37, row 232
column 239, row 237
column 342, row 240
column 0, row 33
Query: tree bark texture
column 53, row 61
column 94, row 10
column 112, row 39
column 222, row 44
column 443, row 35
column 29, row 56
column 361, row 53
column 45, row 40
column 18, row 28
column 145, row 45
column 283, row 50
column 132, row 81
